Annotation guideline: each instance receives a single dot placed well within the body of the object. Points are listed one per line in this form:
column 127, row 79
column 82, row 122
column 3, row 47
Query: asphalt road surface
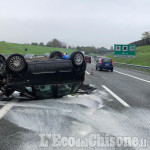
column 119, row 108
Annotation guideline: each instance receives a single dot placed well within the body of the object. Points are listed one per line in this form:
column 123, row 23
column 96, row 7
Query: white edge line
column 115, row 96
column 132, row 76
column 5, row 109
column 87, row 72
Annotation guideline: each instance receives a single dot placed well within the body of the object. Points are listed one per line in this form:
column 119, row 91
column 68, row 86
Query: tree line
column 53, row 43
column 145, row 40
column 58, row 44
column 91, row 49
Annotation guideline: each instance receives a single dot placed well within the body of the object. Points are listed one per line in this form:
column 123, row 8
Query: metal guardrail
column 133, row 67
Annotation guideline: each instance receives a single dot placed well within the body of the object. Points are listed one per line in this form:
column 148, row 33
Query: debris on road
column 86, row 89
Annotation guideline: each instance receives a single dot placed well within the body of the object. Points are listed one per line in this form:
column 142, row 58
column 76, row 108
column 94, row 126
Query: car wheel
column 111, row 70
column 16, row 63
column 56, row 55
column 77, row 58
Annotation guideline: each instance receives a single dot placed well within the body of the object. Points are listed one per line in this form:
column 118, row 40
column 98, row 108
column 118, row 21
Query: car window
column 49, row 91
column 107, row 60
column 43, row 91
column 64, row 89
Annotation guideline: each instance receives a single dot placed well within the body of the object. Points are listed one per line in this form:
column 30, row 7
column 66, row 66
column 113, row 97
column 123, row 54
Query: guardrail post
column 133, row 67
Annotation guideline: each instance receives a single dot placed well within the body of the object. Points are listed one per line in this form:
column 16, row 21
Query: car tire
column 77, row 58
column 16, row 63
column 111, row 70
column 56, row 55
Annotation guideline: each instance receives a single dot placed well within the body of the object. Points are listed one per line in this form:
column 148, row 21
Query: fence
column 133, row 67
column 143, row 42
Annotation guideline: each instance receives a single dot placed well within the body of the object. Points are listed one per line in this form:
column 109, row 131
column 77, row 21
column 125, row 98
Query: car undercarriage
column 53, row 77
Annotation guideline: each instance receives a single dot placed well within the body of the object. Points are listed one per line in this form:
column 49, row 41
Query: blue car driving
column 104, row 63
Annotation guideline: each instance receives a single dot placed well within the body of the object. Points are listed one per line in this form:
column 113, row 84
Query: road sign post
column 124, row 50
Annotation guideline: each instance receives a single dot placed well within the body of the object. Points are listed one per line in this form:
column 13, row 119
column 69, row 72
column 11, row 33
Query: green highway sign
column 125, row 50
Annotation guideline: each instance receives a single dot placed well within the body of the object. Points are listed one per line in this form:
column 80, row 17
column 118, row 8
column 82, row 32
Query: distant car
column 88, row 59
column 38, row 78
column 104, row 63
column 29, row 56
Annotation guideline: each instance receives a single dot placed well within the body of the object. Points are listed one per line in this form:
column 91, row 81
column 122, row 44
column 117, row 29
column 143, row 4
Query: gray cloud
column 76, row 22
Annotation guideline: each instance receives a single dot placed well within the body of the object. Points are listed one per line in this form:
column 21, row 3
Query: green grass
column 142, row 57
column 6, row 47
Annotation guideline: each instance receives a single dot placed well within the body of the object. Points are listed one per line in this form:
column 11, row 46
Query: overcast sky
column 76, row 22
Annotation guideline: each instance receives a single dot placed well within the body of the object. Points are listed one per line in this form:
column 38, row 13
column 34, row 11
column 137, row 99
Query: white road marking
column 87, row 72
column 115, row 96
column 132, row 76
column 6, row 108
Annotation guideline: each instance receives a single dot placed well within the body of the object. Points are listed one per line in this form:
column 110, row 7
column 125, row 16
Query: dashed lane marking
column 115, row 96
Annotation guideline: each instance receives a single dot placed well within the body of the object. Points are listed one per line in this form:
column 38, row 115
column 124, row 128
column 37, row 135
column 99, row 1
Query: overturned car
column 37, row 78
